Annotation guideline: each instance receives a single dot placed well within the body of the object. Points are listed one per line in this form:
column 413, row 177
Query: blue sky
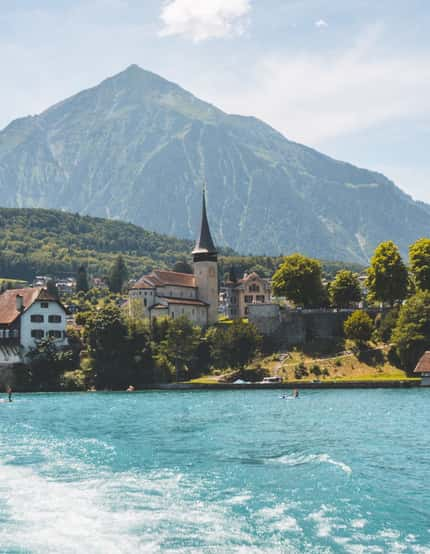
column 350, row 78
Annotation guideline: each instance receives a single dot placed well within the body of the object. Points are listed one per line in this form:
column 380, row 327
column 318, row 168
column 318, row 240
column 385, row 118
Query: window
column 173, row 315
column 37, row 318
column 249, row 299
column 260, row 298
column 254, row 288
column 54, row 318
column 145, row 302
column 55, row 334
column 44, row 305
column 37, row 333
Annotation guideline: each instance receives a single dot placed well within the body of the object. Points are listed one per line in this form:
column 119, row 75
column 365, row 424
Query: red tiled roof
column 8, row 311
column 423, row 366
column 160, row 278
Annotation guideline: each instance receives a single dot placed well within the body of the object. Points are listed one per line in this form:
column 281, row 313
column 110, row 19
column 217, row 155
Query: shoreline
column 382, row 384
column 289, row 386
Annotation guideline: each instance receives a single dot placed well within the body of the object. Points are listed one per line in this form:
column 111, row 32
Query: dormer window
column 44, row 305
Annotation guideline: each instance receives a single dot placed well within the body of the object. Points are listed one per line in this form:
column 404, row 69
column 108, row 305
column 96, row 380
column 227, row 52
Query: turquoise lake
column 216, row 471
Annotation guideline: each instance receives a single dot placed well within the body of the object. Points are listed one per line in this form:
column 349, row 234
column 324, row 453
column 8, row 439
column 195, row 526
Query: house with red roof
column 423, row 369
column 239, row 294
column 173, row 294
column 28, row 315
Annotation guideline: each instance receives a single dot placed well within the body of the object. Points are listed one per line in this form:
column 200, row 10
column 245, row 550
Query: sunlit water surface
column 230, row 471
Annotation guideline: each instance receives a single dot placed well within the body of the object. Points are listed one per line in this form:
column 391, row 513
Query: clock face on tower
column 211, row 272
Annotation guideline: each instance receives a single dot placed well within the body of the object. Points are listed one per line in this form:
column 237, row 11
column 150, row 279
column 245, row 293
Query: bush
column 316, row 370
column 300, row 371
column 358, row 327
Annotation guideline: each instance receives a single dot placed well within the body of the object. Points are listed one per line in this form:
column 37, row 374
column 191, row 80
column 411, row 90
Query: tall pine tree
column 82, row 280
column 118, row 275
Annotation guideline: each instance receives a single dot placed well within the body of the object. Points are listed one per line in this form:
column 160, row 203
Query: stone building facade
column 173, row 294
column 240, row 295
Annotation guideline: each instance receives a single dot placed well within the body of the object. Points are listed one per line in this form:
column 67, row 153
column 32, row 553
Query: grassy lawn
column 204, row 380
column 370, row 365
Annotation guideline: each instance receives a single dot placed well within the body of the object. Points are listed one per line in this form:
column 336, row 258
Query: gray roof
column 204, row 243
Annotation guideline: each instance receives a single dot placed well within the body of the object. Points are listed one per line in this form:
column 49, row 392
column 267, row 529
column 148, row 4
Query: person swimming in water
column 295, row 393
column 9, row 393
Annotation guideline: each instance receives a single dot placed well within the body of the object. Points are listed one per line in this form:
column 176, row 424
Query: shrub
column 300, row 371
column 316, row 370
column 358, row 327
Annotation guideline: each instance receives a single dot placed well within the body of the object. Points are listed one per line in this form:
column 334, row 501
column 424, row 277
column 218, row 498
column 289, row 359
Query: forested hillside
column 38, row 241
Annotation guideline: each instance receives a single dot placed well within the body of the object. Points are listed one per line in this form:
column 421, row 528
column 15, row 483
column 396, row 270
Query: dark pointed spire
column 204, row 248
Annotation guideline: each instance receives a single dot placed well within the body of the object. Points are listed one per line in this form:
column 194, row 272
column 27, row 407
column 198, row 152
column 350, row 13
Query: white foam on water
column 300, row 459
column 358, row 523
column 120, row 513
column 278, row 519
column 324, row 523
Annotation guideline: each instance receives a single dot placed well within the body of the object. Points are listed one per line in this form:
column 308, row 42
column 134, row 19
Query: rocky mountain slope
column 138, row 148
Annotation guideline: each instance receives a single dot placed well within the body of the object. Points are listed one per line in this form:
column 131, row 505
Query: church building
column 172, row 294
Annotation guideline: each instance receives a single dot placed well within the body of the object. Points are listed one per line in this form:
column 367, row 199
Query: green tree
column 181, row 343
column 358, row 327
column 47, row 363
column 387, row 276
column 411, row 335
column 299, row 280
column 419, row 263
column 233, row 345
column 105, row 334
column 51, row 288
column 386, row 323
column 118, row 275
column 344, row 289
column 182, row 266
column 82, row 280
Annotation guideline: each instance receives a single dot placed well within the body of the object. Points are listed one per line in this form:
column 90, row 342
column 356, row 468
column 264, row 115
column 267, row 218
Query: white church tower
column 205, row 258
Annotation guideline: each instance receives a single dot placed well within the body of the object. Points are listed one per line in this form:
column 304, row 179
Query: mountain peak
column 137, row 147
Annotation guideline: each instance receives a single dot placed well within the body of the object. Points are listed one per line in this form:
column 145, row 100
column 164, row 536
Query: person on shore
column 9, row 393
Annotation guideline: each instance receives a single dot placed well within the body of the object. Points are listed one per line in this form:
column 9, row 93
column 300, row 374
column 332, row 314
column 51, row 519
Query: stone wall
column 290, row 328
column 7, row 377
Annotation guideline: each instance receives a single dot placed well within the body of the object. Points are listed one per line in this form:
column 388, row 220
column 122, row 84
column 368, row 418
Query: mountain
column 138, row 148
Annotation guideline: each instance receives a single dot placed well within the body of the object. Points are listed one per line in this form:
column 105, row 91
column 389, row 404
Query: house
column 423, row 368
column 26, row 316
column 239, row 295
column 173, row 294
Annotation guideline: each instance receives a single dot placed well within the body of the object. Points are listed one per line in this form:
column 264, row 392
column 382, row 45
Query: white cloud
column 312, row 97
column 321, row 23
column 204, row 19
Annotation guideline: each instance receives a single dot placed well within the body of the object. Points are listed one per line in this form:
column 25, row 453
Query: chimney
column 19, row 303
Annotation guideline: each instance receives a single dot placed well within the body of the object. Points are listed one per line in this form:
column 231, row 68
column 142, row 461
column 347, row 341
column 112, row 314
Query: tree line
column 401, row 289
column 114, row 351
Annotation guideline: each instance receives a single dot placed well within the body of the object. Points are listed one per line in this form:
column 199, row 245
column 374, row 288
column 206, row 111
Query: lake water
column 221, row 471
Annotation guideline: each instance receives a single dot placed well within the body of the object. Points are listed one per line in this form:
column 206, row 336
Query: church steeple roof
column 204, row 244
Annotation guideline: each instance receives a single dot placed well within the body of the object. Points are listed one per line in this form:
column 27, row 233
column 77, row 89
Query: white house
column 26, row 316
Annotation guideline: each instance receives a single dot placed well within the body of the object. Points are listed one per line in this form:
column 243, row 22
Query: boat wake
column 301, row 459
